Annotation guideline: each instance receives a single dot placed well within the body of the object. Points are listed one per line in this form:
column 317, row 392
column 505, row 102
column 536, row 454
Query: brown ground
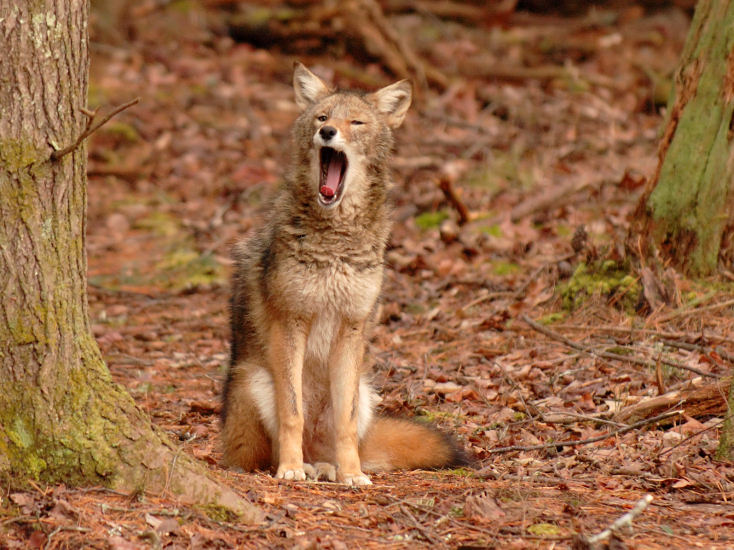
column 174, row 180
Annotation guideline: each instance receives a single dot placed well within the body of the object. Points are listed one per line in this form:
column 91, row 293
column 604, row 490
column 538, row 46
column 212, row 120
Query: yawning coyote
column 305, row 290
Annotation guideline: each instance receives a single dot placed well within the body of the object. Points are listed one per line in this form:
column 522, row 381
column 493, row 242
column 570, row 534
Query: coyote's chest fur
column 327, row 279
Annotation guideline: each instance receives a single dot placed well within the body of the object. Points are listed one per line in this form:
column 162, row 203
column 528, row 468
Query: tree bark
column 62, row 418
column 725, row 450
column 687, row 210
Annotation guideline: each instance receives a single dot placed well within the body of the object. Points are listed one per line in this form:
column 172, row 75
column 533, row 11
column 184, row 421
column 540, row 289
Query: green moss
column 552, row 318
column 219, row 513
column 492, row 230
column 689, row 205
column 183, row 268
column 503, row 268
column 17, row 155
column 504, row 168
column 430, row 220
column 620, row 350
column 608, row 279
column 544, row 530
column 21, row 452
column 159, row 223
column 21, row 332
column 461, row 472
column 123, row 130
column 431, row 417
column 415, row 308
column 563, row 230
column 83, row 450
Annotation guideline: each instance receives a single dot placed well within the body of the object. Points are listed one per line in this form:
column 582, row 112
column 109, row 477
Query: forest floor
column 545, row 125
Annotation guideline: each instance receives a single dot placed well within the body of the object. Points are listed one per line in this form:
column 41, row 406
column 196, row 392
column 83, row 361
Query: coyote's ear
column 308, row 86
column 393, row 101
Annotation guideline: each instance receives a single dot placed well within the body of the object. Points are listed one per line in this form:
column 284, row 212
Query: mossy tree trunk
column 62, row 418
column 687, row 211
column 726, row 440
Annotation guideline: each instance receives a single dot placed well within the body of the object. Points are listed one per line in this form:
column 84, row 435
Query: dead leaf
column 26, row 501
column 37, row 540
column 462, row 394
column 62, row 510
column 482, row 509
column 168, row 526
column 119, row 543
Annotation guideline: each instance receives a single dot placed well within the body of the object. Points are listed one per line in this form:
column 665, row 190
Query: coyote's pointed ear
column 393, row 101
column 308, row 86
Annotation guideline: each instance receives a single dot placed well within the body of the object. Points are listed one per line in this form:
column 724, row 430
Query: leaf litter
column 547, row 124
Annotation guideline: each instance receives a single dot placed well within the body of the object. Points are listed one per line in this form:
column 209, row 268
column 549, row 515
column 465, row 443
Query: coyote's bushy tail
column 401, row 444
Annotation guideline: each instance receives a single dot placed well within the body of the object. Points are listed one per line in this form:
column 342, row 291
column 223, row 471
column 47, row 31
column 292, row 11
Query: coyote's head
column 343, row 138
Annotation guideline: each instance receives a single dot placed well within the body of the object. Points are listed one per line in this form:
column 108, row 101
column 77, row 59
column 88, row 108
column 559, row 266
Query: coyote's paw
column 320, row 470
column 354, row 479
column 290, row 473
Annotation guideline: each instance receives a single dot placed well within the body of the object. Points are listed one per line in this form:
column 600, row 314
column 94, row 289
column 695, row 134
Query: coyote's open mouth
column 331, row 175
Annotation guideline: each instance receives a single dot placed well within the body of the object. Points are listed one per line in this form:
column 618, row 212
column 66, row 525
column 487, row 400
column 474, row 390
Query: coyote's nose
column 327, row 132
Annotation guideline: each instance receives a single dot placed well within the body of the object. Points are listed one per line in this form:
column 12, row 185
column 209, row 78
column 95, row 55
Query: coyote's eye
column 322, row 118
column 357, row 122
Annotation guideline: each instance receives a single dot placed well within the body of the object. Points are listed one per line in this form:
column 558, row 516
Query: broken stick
column 90, row 128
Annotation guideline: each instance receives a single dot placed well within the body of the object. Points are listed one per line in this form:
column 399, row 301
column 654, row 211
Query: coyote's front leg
column 286, row 344
column 345, row 361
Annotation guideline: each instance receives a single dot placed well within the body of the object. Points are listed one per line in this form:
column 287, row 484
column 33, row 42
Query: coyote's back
column 304, row 291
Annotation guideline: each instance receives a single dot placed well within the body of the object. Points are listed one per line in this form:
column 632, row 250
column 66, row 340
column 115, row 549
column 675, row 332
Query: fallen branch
column 487, row 68
column 545, row 201
column 695, row 347
column 90, row 128
column 710, row 399
column 577, row 442
column 609, row 355
column 630, row 330
column 626, row 519
column 692, row 310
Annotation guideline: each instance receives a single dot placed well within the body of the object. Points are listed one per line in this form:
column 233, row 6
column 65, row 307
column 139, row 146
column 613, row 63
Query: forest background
column 514, row 313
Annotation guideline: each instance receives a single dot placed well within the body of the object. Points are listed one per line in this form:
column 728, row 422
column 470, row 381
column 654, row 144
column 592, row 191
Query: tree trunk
column 726, row 439
column 687, row 210
column 62, row 418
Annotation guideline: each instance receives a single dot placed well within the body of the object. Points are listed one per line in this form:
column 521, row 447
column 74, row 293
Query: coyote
column 305, row 289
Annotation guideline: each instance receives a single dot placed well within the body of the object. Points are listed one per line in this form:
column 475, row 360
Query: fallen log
column 695, row 401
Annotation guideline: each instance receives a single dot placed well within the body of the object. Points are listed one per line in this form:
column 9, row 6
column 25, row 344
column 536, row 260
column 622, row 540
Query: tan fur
column 304, row 292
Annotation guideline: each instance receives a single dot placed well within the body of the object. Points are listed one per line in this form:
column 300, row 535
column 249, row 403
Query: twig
column 91, row 128
column 419, row 527
column 689, row 311
column 574, row 443
column 570, row 418
column 173, row 464
column 624, row 520
column 64, row 528
column 453, row 198
column 486, row 298
column 630, row 330
column 17, row 519
column 695, row 347
column 609, row 355
column 699, row 432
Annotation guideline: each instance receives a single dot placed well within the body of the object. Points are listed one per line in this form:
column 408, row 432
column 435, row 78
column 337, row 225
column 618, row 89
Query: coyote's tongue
column 333, row 176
